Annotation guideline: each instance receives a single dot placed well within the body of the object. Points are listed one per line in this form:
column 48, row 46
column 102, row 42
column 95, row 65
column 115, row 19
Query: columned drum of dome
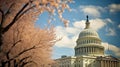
column 88, row 42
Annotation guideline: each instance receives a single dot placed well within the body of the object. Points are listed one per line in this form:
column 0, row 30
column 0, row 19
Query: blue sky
column 104, row 17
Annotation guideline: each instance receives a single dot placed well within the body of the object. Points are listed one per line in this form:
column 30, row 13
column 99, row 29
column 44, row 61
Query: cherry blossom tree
column 21, row 43
column 25, row 45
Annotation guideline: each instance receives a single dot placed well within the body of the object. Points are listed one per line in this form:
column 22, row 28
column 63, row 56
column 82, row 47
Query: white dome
column 88, row 33
column 88, row 42
column 88, row 36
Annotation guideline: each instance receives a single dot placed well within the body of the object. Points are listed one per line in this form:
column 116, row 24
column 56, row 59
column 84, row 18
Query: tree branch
column 7, row 54
column 8, row 11
column 1, row 28
column 25, row 51
column 25, row 11
column 15, row 18
column 1, row 22
column 24, row 59
column 16, row 43
column 22, row 52
column 25, row 63
column 17, row 63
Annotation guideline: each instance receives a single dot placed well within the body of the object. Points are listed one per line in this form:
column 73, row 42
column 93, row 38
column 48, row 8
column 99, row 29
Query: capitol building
column 88, row 52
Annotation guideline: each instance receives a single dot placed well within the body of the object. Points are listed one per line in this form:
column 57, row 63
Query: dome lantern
column 87, row 23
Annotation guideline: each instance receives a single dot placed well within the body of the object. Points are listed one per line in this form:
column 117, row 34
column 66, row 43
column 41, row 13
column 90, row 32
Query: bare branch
column 25, row 11
column 16, row 43
column 25, row 51
column 24, row 59
column 1, row 28
column 8, row 11
column 15, row 19
column 1, row 22
column 22, row 52
column 7, row 54
column 25, row 63
column 17, row 63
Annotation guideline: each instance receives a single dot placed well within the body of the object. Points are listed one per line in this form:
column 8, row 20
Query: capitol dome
column 88, row 33
column 88, row 42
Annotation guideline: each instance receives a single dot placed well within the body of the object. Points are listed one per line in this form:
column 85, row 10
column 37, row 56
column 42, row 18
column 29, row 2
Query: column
column 88, row 50
column 92, row 50
column 77, row 51
column 115, row 64
column 81, row 50
column 105, row 63
column 112, row 64
column 99, row 51
column 95, row 49
column 85, row 50
column 108, row 63
column 101, row 63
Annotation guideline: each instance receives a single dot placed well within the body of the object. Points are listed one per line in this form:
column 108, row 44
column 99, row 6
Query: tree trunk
column 2, row 64
column 1, row 41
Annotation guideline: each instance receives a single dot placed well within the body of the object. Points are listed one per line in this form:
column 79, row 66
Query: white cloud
column 69, row 35
column 79, row 24
column 92, row 10
column 114, row 7
column 109, row 20
column 113, row 48
column 110, row 32
column 119, row 26
column 95, row 11
column 95, row 24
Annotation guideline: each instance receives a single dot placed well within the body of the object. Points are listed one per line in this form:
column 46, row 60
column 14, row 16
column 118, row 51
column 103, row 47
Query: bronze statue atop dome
column 87, row 23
